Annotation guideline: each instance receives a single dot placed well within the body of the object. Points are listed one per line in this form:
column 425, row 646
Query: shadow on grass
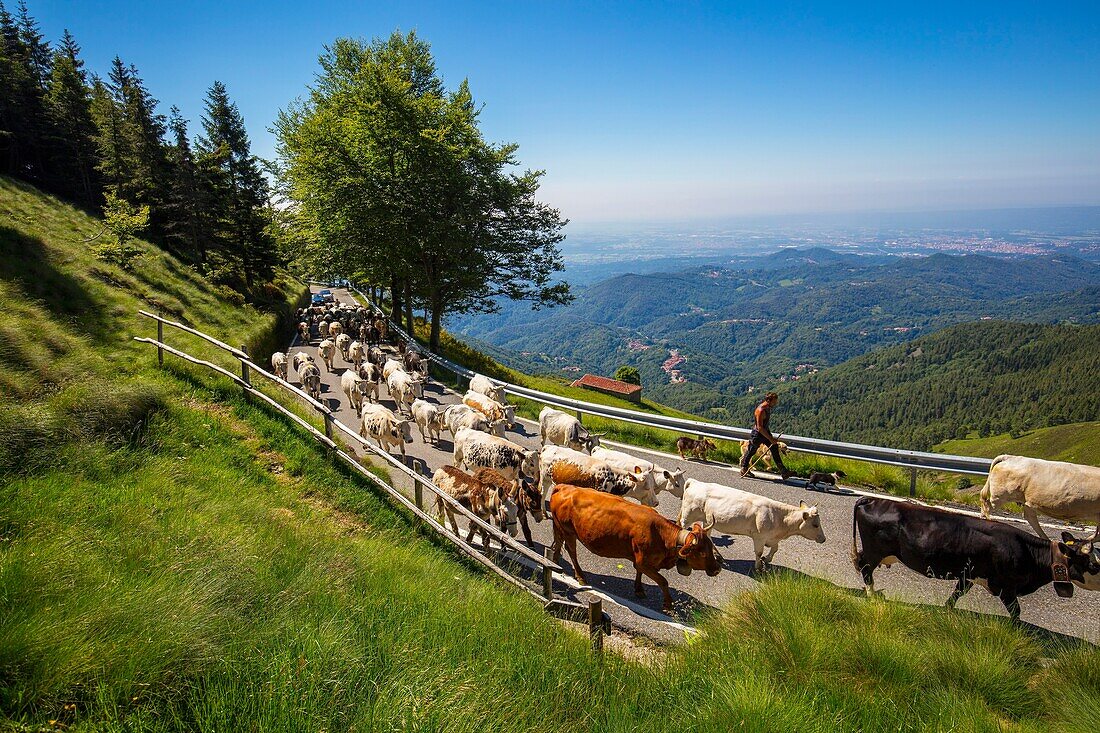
column 24, row 261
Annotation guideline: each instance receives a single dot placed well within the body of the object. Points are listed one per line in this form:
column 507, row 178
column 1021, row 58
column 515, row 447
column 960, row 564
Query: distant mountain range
column 703, row 336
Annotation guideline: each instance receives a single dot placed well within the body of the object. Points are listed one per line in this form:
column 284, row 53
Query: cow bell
column 682, row 567
column 1062, row 585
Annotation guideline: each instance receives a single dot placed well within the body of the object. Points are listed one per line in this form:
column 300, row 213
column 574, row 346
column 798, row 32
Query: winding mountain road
column 613, row 579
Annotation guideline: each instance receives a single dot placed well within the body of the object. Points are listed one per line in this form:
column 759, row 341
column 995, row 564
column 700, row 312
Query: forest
column 101, row 143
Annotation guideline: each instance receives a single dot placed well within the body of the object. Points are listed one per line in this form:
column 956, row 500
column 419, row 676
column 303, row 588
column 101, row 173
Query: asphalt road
column 614, row 579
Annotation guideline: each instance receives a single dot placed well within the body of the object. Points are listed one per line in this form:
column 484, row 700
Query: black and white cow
column 1008, row 561
column 474, row 449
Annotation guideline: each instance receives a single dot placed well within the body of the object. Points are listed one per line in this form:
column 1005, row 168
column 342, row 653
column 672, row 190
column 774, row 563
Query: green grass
column 201, row 564
column 222, row 574
column 1076, row 443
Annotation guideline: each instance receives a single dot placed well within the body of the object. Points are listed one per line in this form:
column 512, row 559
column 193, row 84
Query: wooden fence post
column 244, row 369
column 328, row 427
column 595, row 624
column 418, row 494
column 160, row 340
column 912, row 482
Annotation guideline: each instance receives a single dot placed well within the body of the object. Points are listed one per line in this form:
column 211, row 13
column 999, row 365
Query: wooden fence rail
column 544, row 566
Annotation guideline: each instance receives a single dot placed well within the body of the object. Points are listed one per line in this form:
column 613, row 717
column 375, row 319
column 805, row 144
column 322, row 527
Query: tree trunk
column 437, row 322
column 409, row 308
column 395, row 300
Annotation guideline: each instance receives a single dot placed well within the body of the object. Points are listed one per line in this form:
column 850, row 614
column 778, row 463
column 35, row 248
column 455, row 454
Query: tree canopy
column 391, row 180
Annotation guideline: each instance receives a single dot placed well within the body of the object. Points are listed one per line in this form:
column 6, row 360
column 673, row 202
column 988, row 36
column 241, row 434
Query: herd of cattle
column 591, row 490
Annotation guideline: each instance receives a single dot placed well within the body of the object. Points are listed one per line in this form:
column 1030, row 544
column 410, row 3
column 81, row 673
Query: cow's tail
column 863, row 500
column 986, row 495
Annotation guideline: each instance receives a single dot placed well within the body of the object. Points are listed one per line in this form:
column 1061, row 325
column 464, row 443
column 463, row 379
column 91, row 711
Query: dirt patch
column 348, row 523
column 640, row 649
column 272, row 461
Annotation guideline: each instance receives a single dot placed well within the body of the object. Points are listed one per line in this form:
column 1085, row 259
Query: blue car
column 327, row 296
column 317, row 299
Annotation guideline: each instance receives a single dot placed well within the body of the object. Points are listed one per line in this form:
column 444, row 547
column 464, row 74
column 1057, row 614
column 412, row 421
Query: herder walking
column 762, row 436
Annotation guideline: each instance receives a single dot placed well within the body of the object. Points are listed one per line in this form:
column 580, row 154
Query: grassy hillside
column 175, row 558
column 1076, row 443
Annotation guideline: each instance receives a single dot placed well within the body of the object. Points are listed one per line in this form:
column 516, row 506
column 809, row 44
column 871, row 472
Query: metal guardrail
column 914, row 460
column 416, row 505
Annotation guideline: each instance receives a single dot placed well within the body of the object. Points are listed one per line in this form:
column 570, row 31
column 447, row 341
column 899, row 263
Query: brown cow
column 610, row 526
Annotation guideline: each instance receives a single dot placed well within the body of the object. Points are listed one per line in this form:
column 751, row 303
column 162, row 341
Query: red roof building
column 626, row 390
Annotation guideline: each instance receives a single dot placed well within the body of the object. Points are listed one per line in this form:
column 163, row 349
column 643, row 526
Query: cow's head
column 673, row 482
column 590, row 441
column 510, row 415
column 809, row 524
column 697, row 552
column 645, row 486
column 507, row 508
column 496, row 427
column 402, row 430
column 530, row 465
column 1083, row 560
column 530, row 498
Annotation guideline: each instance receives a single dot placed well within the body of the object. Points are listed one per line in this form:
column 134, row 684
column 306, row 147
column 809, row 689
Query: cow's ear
column 1068, row 538
column 802, row 505
column 637, row 469
column 668, row 476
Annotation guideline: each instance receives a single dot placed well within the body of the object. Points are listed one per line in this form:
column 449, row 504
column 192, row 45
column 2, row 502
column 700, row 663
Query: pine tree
column 69, row 103
column 238, row 186
column 130, row 139
column 23, row 120
column 36, row 48
column 189, row 199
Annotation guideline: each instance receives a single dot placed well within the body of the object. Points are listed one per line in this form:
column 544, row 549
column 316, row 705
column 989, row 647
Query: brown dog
column 697, row 447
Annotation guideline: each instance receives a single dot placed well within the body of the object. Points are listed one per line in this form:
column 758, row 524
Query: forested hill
column 807, row 309
column 986, row 377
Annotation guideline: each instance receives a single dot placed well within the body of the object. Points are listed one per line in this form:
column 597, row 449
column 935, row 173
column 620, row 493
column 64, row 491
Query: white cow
column 561, row 428
column 335, row 329
column 490, row 408
column 300, row 358
column 343, row 342
column 428, row 418
column 327, row 350
column 670, row 481
column 356, row 353
column 388, row 429
column 372, row 376
column 322, row 329
column 732, row 511
column 456, row 417
column 279, row 364
column 392, row 365
column 311, row 379
column 1066, row 491
column 558, row 464
column 474, row 449
column 404, row 388
column 354, row 387
column 485, row 386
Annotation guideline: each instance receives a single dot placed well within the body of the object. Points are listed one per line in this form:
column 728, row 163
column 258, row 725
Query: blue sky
column 641, row 111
